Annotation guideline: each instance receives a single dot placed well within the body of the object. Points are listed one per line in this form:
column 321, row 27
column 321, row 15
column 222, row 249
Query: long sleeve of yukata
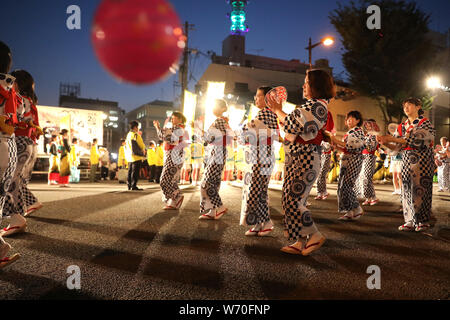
column 354, row 140
column 421, row 136
column 370, row 142
column 216, row 131
column 171, row 135
column 306, row 121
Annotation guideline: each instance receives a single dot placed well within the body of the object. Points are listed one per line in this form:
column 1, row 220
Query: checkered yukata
column 368, row 167
column 15, row 204
column 258, row 137
column 8, row 149
column 217, row 137
column 325, row 163
column 443, row 169
column 302, row 165
column 174, row 143
column 350, row 168
column 417, row 169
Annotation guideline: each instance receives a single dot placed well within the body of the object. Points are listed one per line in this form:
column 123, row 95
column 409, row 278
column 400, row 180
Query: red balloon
column 138, row 41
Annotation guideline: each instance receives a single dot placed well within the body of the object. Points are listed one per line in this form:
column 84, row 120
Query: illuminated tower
column 238, row 17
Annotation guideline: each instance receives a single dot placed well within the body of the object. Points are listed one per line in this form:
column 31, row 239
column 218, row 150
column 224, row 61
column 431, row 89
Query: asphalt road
column 127, row 247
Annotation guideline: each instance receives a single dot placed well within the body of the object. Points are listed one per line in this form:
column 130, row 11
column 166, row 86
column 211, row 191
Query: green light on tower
column 238, row 17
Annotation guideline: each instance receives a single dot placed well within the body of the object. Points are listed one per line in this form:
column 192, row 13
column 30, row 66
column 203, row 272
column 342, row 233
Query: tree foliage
column 388, row 64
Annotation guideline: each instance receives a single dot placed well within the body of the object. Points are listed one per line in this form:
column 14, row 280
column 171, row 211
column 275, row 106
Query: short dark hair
column 321, row 84
column 54, row 136
column 180, row 116
column 5, row 58
column 25, row 82
column 415, row 101
column 264, row 89
column 94, row 140
column 64, row 131
column 357, row 115
column 134, row 124
column 74, row 140
column 222, row 103
column 122, row 140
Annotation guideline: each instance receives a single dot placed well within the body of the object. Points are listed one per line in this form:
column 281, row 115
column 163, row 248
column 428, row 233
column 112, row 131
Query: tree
column 389, row 64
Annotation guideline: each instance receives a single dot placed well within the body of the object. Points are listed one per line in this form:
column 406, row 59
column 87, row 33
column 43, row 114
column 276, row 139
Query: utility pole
column 185, row 66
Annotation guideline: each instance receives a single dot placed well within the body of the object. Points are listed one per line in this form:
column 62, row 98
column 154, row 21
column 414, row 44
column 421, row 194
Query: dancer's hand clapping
column 273, row 104
column 156, row 124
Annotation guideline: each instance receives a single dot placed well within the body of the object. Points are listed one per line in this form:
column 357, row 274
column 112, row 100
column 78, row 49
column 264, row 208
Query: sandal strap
column 11, row 228
column 292, row 247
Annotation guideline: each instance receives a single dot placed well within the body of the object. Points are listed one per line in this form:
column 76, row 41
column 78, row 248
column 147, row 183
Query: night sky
column 41, row 43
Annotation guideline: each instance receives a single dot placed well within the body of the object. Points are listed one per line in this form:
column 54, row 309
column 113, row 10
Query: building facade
column 113, row 118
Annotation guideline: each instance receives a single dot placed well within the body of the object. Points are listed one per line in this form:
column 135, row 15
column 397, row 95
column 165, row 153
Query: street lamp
column 327, row 41
column 435, row 83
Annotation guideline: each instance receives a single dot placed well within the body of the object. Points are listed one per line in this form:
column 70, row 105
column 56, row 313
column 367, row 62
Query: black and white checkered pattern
column 355, row 140
column 417, row 171
column 368, row 170
column 28, row 196
column 8, row 162
column 417, row 185
column 306, row 120
column 259, row 162
column 325, row 162
column 302, row 166
column 350, row 168
column 15, row 203
column 302, row 169
column 170, row 176
column 210, row 186
column 421, row 136
column 268, row 117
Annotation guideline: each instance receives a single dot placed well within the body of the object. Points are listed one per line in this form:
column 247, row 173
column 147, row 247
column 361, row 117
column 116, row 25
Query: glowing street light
column 327, row 41
column 435, row 83
column 215, row 91
column 190, row 102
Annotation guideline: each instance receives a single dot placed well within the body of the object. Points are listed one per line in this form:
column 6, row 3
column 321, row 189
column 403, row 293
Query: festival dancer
column 369, row 159
column 174, row 137
column 415, row 140
column 8, row 149
column 259, row 135
column 63, row 163
column 304, row 135
column 15, row 205
column 218, row 137
column 325, row 164
column 443, row 163
column 352, row 145
column 325, row 161
column 27, row 136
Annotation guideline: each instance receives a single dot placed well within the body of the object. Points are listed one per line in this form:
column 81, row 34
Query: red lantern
column 138, row 41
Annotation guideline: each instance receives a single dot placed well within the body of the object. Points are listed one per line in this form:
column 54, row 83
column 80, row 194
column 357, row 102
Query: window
column 240, row 87
column 341, row 122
